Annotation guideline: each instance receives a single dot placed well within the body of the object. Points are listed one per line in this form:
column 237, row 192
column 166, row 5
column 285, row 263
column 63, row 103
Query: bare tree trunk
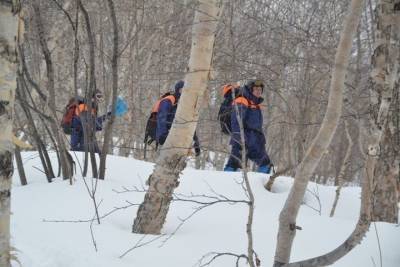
column 385, row 86
column 76, row 51
column 385, row 78
column 88, row 129
column 152, row 212
column 66, row 165
column 249, row 191
column 345, row 163
column 20, row 166
column 8, row 59
column 22, row 98
column 114, row 68
column 56, row 32
column 287, row 218
column 353, row 240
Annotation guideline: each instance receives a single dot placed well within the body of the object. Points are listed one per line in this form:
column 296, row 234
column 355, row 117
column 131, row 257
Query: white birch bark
column 383, row 151
column 8, row 59
column 385, row 75
column 287, row 219
column 152, row 212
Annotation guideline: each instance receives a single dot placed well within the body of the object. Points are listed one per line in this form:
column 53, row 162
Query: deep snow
column 218, row 228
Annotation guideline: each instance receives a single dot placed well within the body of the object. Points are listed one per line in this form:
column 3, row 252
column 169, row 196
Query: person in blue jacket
column 248, row 105
column 166, row 115
column 83, row 117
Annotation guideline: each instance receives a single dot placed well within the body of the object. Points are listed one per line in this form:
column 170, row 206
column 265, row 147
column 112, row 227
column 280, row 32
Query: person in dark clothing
column 85, row 117
column 166, row 115
column 249, row 111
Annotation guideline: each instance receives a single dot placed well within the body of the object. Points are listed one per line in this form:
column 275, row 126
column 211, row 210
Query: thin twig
column 217, row 255
column 138, row 244
column 91, row 227
column 101, row 217
column 38, row 169
column 379, row 244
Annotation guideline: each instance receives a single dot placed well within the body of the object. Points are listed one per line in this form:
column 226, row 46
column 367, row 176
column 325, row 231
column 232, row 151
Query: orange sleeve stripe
column 157, row 104
column 170, row 98
column 226, row 89
column 83, row 107
column 79, row 109
column 243, row 101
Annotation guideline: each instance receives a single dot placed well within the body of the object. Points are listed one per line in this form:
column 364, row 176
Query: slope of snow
column 218, row 228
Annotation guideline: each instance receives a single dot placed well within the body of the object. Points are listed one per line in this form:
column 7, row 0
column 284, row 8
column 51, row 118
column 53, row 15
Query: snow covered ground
column 218, row 228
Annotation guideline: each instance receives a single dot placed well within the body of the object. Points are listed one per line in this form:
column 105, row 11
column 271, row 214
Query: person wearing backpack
column 166, row 114
column 69, row 113
column 248, row 104
column 229, row 92
column 85, row 116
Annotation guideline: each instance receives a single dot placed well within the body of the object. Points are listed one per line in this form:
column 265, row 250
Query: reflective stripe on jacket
column 156, row 106
column 165, row 116
column 83, row 107
column 250, row 113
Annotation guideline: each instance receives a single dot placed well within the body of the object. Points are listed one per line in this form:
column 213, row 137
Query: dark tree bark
column 66, row 165
column 89, row 128
column 20, row 166
column 114, row 69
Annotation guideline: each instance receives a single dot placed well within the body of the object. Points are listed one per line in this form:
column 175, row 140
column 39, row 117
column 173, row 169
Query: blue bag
column 121, row 108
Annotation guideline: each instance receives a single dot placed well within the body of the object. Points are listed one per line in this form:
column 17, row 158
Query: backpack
column 151, row 125
column 69, row 113
column 225, row 110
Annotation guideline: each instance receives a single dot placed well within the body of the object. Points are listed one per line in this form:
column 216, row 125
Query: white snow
column 218, row 228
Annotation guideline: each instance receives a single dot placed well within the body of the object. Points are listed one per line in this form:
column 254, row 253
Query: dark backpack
column 225, row 110
column 151, row 125
column 69, row 113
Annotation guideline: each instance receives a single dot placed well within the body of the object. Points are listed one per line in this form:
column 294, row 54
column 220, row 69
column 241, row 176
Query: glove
column 197, row 151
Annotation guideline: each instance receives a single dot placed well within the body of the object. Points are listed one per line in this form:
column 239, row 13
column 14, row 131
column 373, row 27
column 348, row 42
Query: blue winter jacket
column 165, row 117
column 252, row 120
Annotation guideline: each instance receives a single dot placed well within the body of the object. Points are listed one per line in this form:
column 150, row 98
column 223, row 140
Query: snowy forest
column 115, row 151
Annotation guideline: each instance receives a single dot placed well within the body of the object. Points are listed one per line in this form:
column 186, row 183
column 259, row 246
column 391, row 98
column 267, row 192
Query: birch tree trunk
column 384, row 79
column 384, row 150
column 152, row 212
column 355, row 237
column 287, row 218
column 8, row 59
